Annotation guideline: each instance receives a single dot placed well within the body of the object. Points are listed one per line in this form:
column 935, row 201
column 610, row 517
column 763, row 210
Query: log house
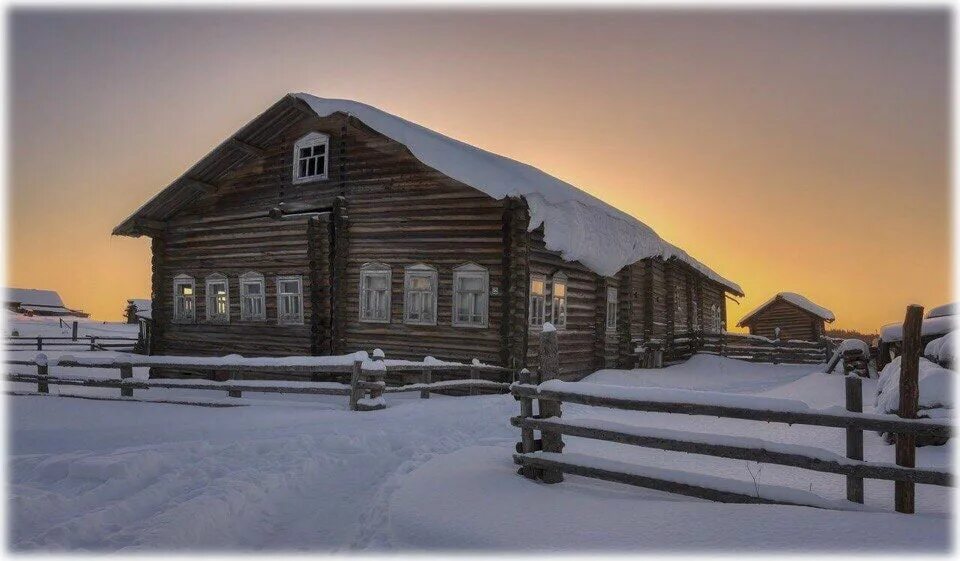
column 317, row 232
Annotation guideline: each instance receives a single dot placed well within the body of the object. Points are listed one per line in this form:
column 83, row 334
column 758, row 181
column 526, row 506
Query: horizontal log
column 647, row 482
column 861, row 421
column 848, row 467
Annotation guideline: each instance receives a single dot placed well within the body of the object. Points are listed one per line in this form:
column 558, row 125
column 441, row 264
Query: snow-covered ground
column 303, row 473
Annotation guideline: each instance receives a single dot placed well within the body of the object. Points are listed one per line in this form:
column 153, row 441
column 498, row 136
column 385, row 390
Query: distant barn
column 796, row 318
column 33, row 302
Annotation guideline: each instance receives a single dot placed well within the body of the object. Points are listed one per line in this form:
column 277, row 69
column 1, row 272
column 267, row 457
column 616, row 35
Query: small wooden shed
column 795, row 316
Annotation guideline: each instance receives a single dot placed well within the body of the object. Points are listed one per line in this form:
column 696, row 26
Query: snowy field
column 303, row 473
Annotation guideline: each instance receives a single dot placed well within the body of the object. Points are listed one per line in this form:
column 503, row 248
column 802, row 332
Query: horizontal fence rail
column 90, row 342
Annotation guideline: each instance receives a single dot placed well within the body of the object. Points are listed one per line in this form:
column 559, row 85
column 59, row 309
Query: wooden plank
column 854, row 403
column 254, row 151
column 648, row 482
column 909, row 392
column 849, row 420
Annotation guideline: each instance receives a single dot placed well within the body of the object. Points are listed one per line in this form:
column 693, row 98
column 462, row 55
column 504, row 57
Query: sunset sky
column 794, row 150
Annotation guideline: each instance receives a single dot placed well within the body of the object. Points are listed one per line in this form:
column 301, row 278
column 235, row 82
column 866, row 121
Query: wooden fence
column 89, row 342
column 682, row 346
column 543, row 458
column 365, row 387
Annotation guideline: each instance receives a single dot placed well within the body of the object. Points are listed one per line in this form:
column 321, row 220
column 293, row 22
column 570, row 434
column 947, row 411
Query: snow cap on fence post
column 378, row 354
column 41, row 359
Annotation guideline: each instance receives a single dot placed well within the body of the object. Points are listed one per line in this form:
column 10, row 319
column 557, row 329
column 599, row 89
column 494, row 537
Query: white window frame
column 411, row 272
column 538, row 303
column 716, row 320
column 373, row 270
column 471, row 270
column 283, row 318
column 209, row 300
column 558, row 321
column 180, row 315
column 248, row 278
column 310, row 140
column 612, row 301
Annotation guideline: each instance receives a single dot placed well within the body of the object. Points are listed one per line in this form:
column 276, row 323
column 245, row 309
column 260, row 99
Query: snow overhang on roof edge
column 576, row 224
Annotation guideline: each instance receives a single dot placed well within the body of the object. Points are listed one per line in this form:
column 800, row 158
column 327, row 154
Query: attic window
column 310, row 157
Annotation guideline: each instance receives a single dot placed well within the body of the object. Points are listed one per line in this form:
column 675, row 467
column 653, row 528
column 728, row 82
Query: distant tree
column 867, row 338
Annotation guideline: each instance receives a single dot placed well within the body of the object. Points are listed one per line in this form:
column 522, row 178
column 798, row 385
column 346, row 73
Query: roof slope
column 797, row 300
column 578, row 225
column 33, row 297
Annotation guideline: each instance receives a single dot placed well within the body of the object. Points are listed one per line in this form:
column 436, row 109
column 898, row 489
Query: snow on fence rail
column 365, row 389
column 543, row 459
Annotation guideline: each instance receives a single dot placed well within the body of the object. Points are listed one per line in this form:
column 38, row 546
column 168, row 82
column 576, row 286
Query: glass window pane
column 536, row 287
column 471, row 283
column 305, row 152
column 559, row 289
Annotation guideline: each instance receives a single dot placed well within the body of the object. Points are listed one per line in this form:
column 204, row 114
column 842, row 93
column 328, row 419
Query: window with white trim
column 558, row 301
column 184, row 299
column 470, row 286
column 375, row 279
column 538, row 293
column 716, row 319
column 252, row 297
column 611, row 309
column 420, row 295
column 218, row 298
column 290, row 300
column 310, row 157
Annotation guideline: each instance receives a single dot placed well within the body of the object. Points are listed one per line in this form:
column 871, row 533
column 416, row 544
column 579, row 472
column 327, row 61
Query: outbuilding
column 788, row 316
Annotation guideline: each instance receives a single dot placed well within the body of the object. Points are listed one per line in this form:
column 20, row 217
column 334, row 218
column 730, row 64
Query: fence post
column 854, row 399
column 426, row 376
column 126, row 371
column 74, row 335
column 527, row 443
column 473, row 376
column 355, row 391
column 93, row 343
column 552, row 441
column 39, row 343
column 42, row 372
column 909, row 392
column 549, row 355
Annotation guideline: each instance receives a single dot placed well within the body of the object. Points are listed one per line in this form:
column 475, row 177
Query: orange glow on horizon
column 803, row 154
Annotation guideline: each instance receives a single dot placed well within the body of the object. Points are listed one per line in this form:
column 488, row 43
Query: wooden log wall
column 228, row 232
column 794, row 323
column 516, row 275
column 402, row 213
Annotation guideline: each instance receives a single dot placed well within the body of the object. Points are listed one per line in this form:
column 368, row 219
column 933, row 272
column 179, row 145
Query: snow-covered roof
column 797, row 300
column 33, row 297
column 893, row 332
column 578, row 225
column 944, row 310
